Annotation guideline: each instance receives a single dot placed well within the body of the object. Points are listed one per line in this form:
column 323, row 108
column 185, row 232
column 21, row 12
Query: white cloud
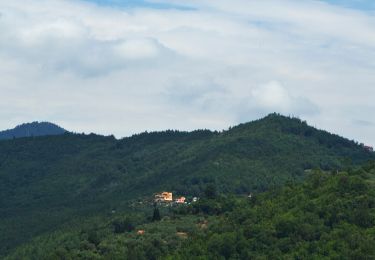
column 138, row 49
column 273, row 96
column 121, row 71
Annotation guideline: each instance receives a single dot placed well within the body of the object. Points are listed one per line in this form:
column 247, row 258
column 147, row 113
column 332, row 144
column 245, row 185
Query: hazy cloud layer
column 217, row 63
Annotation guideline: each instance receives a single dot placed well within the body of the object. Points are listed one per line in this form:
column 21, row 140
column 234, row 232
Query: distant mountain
column 32, row 129
column 48, row 181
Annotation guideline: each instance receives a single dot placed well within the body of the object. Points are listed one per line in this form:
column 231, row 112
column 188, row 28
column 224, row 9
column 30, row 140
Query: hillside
column 51, row 180
column 331, row 215
column 32, row 129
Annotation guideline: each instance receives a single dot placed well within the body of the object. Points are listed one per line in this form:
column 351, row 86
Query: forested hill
column 32, row 129
column 50, row 180
column 331, row 215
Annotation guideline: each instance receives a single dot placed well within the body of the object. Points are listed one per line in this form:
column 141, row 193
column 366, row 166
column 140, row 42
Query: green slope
column 48, row 181
column 331, row 215
column 32, row 129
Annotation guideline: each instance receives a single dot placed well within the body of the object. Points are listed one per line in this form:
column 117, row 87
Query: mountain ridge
column 46, row 181
column 32, row 129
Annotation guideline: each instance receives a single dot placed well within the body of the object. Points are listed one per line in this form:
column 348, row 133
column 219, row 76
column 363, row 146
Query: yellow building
column 164, row 197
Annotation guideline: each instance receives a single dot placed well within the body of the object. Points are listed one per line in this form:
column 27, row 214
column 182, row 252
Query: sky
column 124, row 67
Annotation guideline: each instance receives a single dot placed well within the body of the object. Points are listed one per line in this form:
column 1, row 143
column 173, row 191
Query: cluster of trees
column 331, row 215
column 31, row 130
column 327, row 217
column 113, row 238
column 46, row 182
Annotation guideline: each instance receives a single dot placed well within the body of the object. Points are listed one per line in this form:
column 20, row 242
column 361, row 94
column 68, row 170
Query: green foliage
column 98, row 240
column 330, row 216
column 122, row 225
column 31, row 130
column 48, row 183
column 156, row 215
column 210, row 191
column 318, row 219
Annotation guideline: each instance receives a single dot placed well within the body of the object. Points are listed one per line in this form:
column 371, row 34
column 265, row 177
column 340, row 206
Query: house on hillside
column 164, row 197
column 180, row 200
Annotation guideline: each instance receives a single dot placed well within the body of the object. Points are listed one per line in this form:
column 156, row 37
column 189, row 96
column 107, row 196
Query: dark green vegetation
column 32, row 129
column 329, row 216
column 56, row 181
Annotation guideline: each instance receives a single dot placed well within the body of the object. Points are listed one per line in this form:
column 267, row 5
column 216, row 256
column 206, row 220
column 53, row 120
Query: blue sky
column 365, row 5
column 94, row 69
column 137, row 3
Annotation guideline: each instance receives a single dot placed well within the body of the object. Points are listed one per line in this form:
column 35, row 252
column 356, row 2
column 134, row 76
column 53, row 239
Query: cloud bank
column 217, row 63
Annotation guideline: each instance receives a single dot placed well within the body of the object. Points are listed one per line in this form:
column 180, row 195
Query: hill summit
column 32, row 129
column 50, row 181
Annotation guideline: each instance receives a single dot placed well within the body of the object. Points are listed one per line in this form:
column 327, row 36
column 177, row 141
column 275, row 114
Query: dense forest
column 50, row 183
column 331, row 215
column 32, row 129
